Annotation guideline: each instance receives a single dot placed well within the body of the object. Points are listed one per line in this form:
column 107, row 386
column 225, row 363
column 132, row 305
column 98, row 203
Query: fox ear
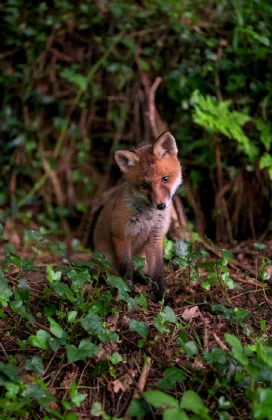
column 125, row 159
column 165, row 145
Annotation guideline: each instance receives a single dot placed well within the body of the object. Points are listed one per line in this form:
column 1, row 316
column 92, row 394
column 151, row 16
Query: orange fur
column 136, row 220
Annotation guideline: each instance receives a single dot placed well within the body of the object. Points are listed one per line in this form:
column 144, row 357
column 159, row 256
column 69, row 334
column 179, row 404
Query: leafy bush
column 72, row 76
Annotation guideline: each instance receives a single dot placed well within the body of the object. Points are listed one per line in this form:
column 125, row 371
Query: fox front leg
column 124, row 264
column 154, row 256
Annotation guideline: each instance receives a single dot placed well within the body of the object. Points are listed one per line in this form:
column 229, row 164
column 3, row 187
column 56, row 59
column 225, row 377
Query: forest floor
column 78, row 345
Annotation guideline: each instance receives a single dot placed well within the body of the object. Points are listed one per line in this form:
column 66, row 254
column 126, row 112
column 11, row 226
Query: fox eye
column 165, row 179
column 145, row 186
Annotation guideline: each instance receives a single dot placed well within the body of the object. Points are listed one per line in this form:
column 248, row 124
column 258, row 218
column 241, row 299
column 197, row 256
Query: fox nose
column 161, row 206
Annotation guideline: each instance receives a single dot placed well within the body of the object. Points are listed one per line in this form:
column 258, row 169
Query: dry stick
column 4, row 351
column 200, row 224
column 141, row 383
column 152, row 107
column 65, row 127
column 57, row 188
column 143, row 378
column 249, row 281
column 219, row 342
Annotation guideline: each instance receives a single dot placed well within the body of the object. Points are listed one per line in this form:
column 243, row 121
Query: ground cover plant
column 78, row 81
column 76, row 347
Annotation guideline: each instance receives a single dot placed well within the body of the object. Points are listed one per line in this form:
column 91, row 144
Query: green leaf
column 84, row 350
column 217, row 357
column 115, row 358
column 56, row 329
column 266, row 163
column 140, row 262
column 8, row 372
column 260, row 246
column 169, row 315
column 262, row 404
column 192, row 402
column 137, row 408
column 79, row 279
column 140, row 327
column 40, row 339
column 159, row 399
column 170, row 378
column 224, row 403
column 72, row 316
column 190, row 348
column 52, row 275
column 19, row 307
column 78, row 399
column 118, row 283
column 234, row 342
column 35, row 235
column 5, row 291
column 97, row 409
column 101, row 258
column 174, row 414
column 10, row 406
column 35, row 364
column 92, row 323
column 79, row 79
column 40, row 394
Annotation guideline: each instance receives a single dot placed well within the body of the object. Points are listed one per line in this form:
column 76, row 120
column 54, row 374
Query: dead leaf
column 112, row 321
column 123, row 383
column 191, row 313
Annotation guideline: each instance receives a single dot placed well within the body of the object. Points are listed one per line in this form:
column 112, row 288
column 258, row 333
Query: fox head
column 153, row 172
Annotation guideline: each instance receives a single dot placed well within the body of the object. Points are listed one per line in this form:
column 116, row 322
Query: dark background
column 75, row 85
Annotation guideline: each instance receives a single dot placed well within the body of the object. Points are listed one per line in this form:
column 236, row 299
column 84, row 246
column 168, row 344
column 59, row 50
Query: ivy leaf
column 41, row 395
column 97, row 409
column 19, row 307
column 140, row 327
column 92, row 323
column 262, row 404
column 174, row 414
column 72, row 76
column 159, row 399
column 137, row 408
column 84, row 350
column 115, row 358
column 35, row 235
column 79, row 278
column 76, row 397
column 192, row 402
column 71, row 316
column 8, row 372
column 56, row 329
column 101, row 258
column 118, row 283
column 170, row 378
column 52, row 275
column 35, row 364
column 5, row 291
column 40, row 339
column 169, row 315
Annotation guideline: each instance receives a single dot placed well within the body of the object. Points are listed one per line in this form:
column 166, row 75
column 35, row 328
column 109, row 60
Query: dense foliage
column 74, row 348
column 74, row 83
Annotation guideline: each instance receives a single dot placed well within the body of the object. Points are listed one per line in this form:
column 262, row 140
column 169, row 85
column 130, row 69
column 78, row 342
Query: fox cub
column 135, row 221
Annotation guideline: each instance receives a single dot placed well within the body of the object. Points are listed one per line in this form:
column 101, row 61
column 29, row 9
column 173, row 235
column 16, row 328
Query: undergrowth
column 75, row 338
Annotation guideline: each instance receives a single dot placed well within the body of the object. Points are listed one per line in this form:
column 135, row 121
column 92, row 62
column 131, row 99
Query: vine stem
column 38, row 185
